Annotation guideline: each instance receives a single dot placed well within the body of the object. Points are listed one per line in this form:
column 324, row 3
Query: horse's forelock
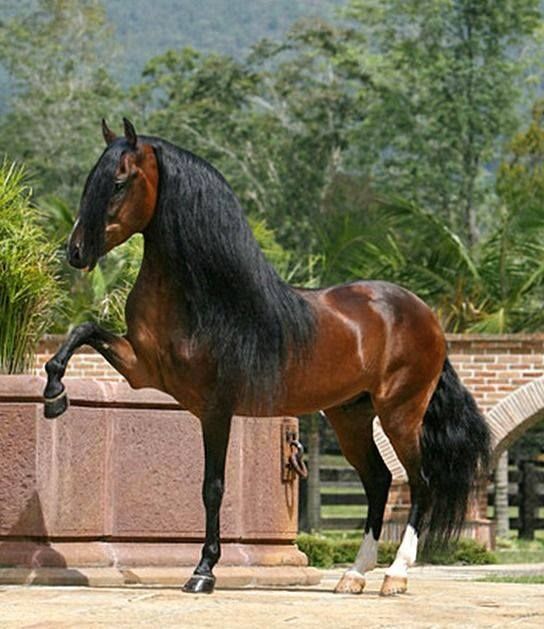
column 95, row 198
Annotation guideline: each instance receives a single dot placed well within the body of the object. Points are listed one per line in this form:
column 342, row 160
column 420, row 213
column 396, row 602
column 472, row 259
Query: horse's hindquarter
column 371, row 337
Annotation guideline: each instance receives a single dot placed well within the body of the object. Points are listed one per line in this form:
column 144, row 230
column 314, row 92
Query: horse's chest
column 171, row 362
column 173, row 365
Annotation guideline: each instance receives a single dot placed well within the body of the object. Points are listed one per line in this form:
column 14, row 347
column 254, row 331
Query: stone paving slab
column 227, row 576
column 436, row 598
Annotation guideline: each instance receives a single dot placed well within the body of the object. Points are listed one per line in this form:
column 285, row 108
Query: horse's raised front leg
column 115, row 349
column 216, row 430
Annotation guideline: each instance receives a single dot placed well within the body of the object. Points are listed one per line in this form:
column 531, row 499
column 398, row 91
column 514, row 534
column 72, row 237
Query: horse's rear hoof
column 393, row 585
column 200, row 584
column 55, row 406
column 352, row 582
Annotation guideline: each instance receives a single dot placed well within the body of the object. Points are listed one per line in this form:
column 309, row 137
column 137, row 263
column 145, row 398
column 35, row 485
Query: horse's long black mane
column 238, row 307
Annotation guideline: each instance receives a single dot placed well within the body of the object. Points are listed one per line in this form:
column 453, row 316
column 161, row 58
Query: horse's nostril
column 74, row 255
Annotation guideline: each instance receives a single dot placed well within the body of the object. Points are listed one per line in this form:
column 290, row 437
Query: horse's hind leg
column 353, row 426
column 403, row 427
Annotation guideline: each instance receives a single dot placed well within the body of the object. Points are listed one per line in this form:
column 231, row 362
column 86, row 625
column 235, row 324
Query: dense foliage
column 373, row 145
column 324, row 551
column 29, row 292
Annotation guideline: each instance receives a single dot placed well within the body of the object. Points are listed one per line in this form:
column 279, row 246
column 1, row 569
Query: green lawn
column 509, row 550
column 520, row 578
column 343, row 511
column 513, row 550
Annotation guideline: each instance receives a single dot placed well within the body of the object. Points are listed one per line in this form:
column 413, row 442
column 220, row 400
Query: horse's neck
column 156, row 294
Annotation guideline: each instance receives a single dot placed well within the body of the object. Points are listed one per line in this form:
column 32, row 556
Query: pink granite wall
column 117, row 480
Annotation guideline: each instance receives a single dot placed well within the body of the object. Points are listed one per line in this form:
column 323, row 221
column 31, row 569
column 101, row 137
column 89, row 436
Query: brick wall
column 494, row 366
column 490, row 366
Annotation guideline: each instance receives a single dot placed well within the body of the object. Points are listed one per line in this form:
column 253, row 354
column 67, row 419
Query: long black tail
column 455, row 450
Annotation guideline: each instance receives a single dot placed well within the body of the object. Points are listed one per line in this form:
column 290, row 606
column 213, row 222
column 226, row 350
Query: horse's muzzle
column 75, row 256
column 77, row 259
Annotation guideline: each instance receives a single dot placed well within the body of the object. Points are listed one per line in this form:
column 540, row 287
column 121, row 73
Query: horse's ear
column 130, row 133
column 109, row 135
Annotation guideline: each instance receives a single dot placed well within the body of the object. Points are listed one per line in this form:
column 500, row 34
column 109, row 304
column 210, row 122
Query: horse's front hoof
column 352, row 582
column 393, row 585
column 53, row 407
column 200, row 584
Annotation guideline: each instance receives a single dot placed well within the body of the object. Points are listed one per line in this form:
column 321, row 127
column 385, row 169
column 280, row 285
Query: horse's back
column 371, row 304
column 400, row 337
column 394, row 303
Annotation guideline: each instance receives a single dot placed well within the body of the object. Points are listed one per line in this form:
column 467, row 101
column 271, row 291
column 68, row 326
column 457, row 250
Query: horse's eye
column 119, row 185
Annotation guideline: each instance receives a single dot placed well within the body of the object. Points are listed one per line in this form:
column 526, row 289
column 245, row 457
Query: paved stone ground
column 437, row 597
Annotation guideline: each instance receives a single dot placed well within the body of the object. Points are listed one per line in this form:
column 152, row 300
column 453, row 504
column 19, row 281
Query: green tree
column 276, row 124
column 448, row 79
column 56, row 57
column 311, row 96
column 494, row 287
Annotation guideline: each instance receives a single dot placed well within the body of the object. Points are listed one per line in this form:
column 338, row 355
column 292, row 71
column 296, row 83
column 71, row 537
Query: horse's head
column 118, row 200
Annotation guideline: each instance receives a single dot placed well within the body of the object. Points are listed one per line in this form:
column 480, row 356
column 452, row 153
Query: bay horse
column 210, row 322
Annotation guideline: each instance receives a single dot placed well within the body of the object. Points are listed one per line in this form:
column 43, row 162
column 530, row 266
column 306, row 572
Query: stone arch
column 514, row 415
column 388, row 453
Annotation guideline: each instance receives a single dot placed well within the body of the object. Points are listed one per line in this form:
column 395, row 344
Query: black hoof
column 56, row 406
column 200, row 584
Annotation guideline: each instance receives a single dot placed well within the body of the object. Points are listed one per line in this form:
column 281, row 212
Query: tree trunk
column 501, row 496
column 314, row 487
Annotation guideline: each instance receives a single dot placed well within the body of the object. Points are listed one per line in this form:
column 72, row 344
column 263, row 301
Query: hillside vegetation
column 226, row 26
column 406, row 145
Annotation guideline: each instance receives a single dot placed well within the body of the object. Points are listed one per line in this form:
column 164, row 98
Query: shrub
column 466, row 551
column 387, row 552
column 345, row 551
column 325, row 551
column 318, row 549
column 29, row 293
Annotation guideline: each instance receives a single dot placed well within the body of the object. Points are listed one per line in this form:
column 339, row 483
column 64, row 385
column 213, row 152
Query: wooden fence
column 340, row 486
column 351, row 493
column 526, row 492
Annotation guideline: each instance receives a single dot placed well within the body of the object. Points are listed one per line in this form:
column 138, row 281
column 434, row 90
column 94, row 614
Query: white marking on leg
column 406, row 554
column 367, row 557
